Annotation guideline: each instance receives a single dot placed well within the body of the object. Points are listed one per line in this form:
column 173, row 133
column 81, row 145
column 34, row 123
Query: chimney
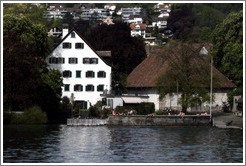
column 64, row 30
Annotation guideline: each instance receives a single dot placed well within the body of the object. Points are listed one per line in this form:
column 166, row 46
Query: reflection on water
column 66, row 144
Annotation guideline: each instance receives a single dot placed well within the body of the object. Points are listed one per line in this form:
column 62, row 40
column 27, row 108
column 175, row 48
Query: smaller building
column 135, row 19
column 138, row 30
column 160, row 22
column 112, row 101
column 127, row 12
column 55, row 32
column 108, row 21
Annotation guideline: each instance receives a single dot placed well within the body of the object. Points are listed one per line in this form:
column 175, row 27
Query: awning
column 132, row 100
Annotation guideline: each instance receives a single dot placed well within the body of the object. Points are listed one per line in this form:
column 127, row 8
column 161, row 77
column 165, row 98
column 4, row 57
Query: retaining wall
column 161, row 120
column 86, row 122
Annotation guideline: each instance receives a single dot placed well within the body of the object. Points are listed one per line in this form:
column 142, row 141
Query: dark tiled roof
column 146, row 73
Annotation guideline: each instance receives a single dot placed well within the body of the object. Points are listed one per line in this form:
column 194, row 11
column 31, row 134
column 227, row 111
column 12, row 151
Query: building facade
column 85, row 74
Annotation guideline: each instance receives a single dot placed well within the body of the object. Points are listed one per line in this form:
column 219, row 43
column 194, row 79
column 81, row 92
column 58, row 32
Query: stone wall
column 161, row 120
column 86, row 122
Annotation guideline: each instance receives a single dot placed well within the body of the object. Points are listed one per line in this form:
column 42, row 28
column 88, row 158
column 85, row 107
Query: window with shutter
column 93, row 61
column 90, row 74
column 78, row 87
column 66, row 45
column 100, row 88
column 78, row 73
column 101, row 74
column 89, row 88
column 67, row 73
column 73, row 60
column 66, row 87
column 79, row 45
column 86, row 60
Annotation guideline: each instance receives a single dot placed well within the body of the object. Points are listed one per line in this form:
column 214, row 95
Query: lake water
column 68, row 144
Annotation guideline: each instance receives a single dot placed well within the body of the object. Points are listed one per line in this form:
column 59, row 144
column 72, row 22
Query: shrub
column 121, row 110
column 94, row 112
column 145, row 108
column 32, row 115
column 160, row 112
column 105, row 112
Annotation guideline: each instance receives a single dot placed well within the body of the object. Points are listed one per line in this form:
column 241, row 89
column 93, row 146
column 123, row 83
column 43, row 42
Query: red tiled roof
column 146, row 73
column 142, row 26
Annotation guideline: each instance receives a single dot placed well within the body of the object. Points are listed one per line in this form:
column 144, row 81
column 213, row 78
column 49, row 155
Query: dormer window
column 72, row 35
column 66, row 45
column 79, row 45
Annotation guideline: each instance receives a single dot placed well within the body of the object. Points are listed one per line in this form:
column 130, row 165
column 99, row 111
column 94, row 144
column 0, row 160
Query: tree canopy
column 227, row 48
column 189, row 71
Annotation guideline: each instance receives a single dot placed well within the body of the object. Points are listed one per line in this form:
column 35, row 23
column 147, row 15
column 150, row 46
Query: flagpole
column 211, row 88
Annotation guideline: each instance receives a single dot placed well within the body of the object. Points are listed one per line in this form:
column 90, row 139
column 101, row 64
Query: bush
column 94, row 112
column 105, row 112
column 121, row 110
column 160, row 112
column 32, row 115
column 145, row 108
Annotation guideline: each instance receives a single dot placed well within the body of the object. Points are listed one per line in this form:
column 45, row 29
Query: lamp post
column 211, row 88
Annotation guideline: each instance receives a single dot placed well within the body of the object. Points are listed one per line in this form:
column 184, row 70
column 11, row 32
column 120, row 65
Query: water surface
column 68, row 144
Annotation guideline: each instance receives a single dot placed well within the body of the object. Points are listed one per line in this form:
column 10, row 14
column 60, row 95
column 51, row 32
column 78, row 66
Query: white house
column 85, row 74
column 141, row 81
column 138, row 30
column 160, row 22
column 135, row 19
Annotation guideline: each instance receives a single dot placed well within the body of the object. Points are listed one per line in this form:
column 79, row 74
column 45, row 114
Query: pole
column 211, row 88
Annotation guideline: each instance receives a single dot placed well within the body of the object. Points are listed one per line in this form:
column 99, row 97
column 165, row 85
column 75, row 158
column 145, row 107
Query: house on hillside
column 108, row 21
column 135, row 19
column 141, row 81
column 85, row 73
column 160, row 22
column 138, row 30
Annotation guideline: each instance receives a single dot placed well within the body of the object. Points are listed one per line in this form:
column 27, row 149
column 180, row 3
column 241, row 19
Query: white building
column 126, row 12
column 160, row 22
column 135, row 19
column 85, row 74
column 138, row 30
column 141, row 81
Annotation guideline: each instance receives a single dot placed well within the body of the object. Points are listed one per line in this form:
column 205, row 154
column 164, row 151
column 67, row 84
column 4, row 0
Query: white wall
column 87, row 52
column 219, row 98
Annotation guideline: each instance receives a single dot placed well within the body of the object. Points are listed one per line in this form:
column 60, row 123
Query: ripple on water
column 66, row 144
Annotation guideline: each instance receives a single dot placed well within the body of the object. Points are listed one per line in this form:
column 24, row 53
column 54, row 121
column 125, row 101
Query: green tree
column 57, row 23
column 227, row 49
column 189, row 71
